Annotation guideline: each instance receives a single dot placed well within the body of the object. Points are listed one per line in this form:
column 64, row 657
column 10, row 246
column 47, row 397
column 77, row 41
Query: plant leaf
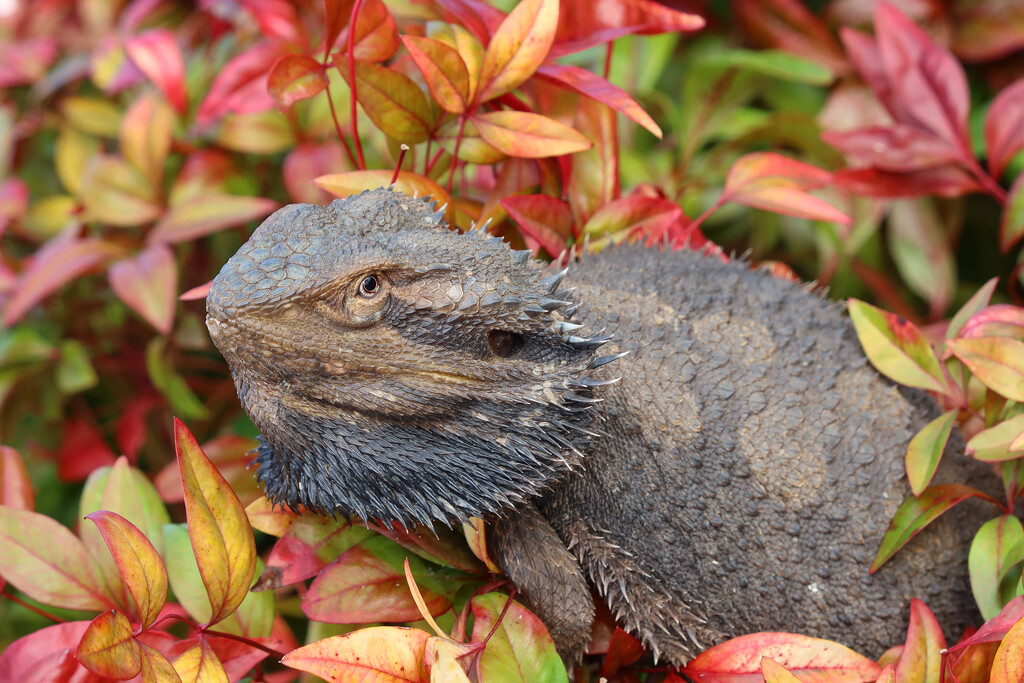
column 520, row 649
column 896, row 347
column 944, row 181
column 412, row 184
column 376, row 34
column 220, row 532
column 140, row 564
column 155, row 667
column 199, row 664
column 532, row 136
column 925, row 450
column 518, row 47
column 998, row 546
column 997, row 361
column 593, row 86
column 384, row 654
column 806, row 657
column 146, row 133
column 337, row 14
column 108, row 647
column 997, row 443
column 976, row 303
column 1009, row 660
column 774, row 672
column 309, row 544
column 392, row 100
column 45, row 656
column 148, row 283
column 996, row 628
column 294, row 78
column 917, row 513
column 921, row 658
column 115, row 192
column 156, row 54
column 443, row 69
column 15, row 486
column 207, row 214
column 1004, row 127
column 48, row 563
column 769, row 181
column 634, row 216
column 241, row 86
column 898, row 148
column 1011, row 229
column 547, row 220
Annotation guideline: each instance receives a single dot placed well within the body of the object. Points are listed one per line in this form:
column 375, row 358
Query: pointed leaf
column 294, row 78
column 532, row 136
column 199, row 664
column 476, row 538
column 115, row 192
column 441, row 655
column 148, row 283
column 976, row 303
column 15, row 486
column 274, row 520
column 58, row 262
column 183, row 572
column 309, row 545
column 207, row 214
column 412, row 184
column 146, row 134
column 48, row 563
column 519, row 46
column 140, row 564
column 219, row 530
column 997, row 547
column 774, row 672
column 1011, row 229
column 1009, row 661
column 997, row 361
column 623, row 650
column 898, row 148
column 917, row 513
column 443, row 69
column 472, row 148
column 383, row 654
column 593, row 86
column 896, row 347
column 392, row 100
column 804, row 656
column 944, row 181
column 921, row 658
column 547, row 220
column 997, row 443
column 995, row 629
column 772, row 182
column 108, row 647
column 925, row 450
column 157, row 55
column 634, row 216
column 337, row 14
column 128, row 492
column 520, row 649
column 581, row 19
column 45, row 656
column 998, row 320
column 376, row 34
column 1004, row 127
column 241, row 86
column 155, row 667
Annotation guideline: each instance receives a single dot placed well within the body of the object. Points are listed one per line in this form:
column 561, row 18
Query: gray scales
column 737, row 479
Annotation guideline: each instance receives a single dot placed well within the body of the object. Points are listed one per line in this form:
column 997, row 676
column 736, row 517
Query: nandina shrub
column 142, row 140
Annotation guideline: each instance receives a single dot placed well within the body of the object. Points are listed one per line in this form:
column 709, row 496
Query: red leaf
column 597, row 88
column 518, row 47
column 582, row 19
column 443, row 69
column 809, row 658
column 623, row 650
column 376, row 34
column 897, row 148
column 867, row 60
column 998, row 320
column 25, row 62
column 634, row 216
column 15, row 486
column 791, row 26
column 945, row 181
column 772, row 182
column 309, row 545
column 82, row 449
column 531, row 136
column 197, row 293
column 241, row 86
column 917, row 513
column 131, row 426
column 479, row 17
column 1011, row 229
column 996, row 628
column 337, row 14
column 148, row 283
column 921, row 658
column 59, row 261
column 157, row 55
column 546, row 219
column 1004, row 127
column 107, row 647
column 294, row 78
column 928, row 83
column 45, row 656
column 13, row 201
column 277, row 19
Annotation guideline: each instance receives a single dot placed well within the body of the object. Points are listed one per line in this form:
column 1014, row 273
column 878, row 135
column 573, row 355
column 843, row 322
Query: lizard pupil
column 369, row 286
column 503, row 343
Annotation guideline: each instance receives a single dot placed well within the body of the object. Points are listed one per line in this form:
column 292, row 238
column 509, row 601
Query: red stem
column 987, row 181
column 352, row 80
column 252, row 643
column 32, row 608
column 430, row 164
column 696, row 223
column 398, row 166
column 501, row 617
column 455, row 152
column 608, row 59
column 337, row 128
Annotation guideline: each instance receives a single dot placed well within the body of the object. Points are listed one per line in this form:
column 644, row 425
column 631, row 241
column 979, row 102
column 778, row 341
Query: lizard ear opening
column 504, row 344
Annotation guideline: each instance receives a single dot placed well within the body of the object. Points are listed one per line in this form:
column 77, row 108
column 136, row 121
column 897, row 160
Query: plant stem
column 696, row 222
column 455, row 152
column 352, row 80
column 337, row 127
column 987, row 181
column 32, row 608
column 247, row 641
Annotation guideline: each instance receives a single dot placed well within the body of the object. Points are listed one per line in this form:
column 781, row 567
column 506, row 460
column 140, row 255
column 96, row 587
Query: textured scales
column 738, row 479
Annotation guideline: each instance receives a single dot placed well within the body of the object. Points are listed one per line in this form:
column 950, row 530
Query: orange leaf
column 472, row 148
column 140, row 564
column 294, row 78
column 217, row 526
column 519, row 46
column 1009, row 661
column 444, row 71
column 155, row 667
column 477, row 540
column 376, row 34
column 108, row 647
column 383, row 654
column 392, row 100
column 522, row 134
column 156, row 54
column 997, row 361
column 146, row 133
column 148, row 282
column 15, row 486
column 209, row 213
column 199, row 664
column 269, row 518
column 769, row 181
column 922, row 655
column 808, row 658
column 774, row 672
column 49, row 563
column 593, row 86
column 412, row 184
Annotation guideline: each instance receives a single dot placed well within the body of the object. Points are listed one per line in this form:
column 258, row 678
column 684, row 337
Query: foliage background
column 140, row 142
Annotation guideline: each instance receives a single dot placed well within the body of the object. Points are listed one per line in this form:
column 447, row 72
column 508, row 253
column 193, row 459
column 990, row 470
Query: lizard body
column 738, row 478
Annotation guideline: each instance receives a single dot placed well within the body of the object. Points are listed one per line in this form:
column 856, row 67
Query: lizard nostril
column 504, row 344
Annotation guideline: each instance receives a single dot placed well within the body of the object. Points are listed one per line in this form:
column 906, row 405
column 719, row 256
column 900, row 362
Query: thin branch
column 32, row 608
column 252, row 643
column 455, row 152
column 337, row 127
column 352, row 80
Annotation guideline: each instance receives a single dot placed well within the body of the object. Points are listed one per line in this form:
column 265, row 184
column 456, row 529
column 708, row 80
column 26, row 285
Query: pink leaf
column 241, row 86
column 45, row 656
column 157, row 55
column 546, row 219
column 772, row 182
column 597, row 88
column 944, row 181
column 1004, row 127
column 148, row 282
column 897, row 148
column 208, row 214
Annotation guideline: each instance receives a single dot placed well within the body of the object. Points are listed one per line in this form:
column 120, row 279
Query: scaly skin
column 738, row 479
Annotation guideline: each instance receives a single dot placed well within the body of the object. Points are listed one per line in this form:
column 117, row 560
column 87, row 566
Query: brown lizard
column 737, row 479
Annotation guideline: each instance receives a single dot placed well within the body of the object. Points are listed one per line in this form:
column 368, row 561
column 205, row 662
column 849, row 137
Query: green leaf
column 392, row 100
column 520, row 649
column 774, row 63
column 997, row 547
column 917, row 513
column 995, row 444
column 997, row 361
column 925, row 450
column 74, row 370
column 183, row 572
column 183, row 400
column 977, row 302
column 896, row 347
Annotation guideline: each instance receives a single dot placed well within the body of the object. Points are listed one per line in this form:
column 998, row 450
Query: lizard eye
column 369, row 287
column 503, row 343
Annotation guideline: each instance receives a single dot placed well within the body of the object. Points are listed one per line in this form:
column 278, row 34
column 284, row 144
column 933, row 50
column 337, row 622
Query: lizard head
column 399, row 370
